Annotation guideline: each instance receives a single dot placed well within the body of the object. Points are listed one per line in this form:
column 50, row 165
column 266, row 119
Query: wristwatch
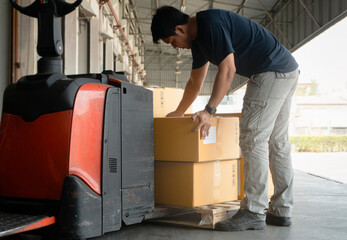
column 210, row 110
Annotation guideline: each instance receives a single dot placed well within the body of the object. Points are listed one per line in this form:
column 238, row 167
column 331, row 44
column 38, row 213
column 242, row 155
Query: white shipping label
column 212, row 136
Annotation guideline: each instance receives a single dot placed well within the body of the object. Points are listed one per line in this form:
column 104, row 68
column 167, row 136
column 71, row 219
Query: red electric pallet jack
column 76, row 151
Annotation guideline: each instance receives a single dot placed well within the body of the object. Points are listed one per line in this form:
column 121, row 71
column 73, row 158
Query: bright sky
column 324, row 59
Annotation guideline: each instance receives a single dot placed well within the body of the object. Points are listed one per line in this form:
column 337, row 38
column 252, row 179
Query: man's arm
column 191, row 91
column 224, row 77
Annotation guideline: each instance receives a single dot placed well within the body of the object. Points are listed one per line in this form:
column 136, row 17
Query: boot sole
column 253, row 226
column 277, row 221
column 279, row 224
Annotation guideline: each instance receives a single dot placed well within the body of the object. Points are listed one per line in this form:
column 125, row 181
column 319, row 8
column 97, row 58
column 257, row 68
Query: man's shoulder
column 212, row 13
column 209, row 18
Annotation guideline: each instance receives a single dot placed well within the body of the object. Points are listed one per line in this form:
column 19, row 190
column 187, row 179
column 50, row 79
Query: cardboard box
column 220, row 115
column 241, row 181
column 174, row 140
column 238, row 115
column 166, row 100
column 195, row 184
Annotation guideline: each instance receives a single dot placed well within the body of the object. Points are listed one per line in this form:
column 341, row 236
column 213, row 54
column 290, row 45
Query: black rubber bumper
column 81, row 212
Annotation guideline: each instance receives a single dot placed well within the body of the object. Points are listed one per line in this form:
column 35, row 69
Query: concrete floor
column 320, row 212
column 329, row 165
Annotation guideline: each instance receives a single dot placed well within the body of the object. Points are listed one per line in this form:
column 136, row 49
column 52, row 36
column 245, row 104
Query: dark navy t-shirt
column 255, row 49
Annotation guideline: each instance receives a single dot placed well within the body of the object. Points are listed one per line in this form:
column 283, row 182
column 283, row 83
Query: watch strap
column 210, row 110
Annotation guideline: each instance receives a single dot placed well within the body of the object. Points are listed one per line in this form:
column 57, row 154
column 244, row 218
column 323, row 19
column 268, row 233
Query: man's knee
column 280, row 145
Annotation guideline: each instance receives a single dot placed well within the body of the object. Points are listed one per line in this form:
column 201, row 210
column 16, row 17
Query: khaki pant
column 264, row 142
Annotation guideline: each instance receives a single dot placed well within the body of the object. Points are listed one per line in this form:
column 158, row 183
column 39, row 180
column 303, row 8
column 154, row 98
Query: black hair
column 165, row 21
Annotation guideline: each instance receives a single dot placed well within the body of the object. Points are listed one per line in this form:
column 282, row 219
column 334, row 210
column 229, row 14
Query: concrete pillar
column 109, row 55
column 94, row 45
column 119, row 66
column 101, row 54
column 71, row 43
column 83, row 46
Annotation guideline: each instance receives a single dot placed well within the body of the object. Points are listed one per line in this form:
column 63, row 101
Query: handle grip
column 31, row 10
column 64, row 8
column 58, row 7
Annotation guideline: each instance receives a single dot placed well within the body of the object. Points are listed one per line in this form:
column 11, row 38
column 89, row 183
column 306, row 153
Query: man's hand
column 205, row 121
column 174, row 114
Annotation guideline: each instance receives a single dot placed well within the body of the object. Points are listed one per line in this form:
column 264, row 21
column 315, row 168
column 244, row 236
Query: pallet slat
column 201, row 217
column 212, row 214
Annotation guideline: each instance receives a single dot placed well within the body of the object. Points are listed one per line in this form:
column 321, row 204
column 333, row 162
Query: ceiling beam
column 238, row 5
column 275, row 24
column 210, row 4
column 277, row 14
column 241, row 7
column 200, row 8
column 310, row 14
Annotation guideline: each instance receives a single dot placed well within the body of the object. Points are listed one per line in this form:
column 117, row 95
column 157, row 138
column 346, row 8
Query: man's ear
column 179, row 29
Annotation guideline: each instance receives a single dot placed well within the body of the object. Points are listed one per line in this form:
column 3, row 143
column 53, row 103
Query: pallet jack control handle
column 50, row 43
column 60, row 7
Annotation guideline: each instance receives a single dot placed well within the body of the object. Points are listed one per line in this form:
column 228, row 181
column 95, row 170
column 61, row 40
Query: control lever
column 50, row 44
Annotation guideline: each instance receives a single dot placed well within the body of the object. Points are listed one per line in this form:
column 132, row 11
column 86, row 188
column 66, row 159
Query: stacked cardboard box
column 174, row 140
column 195, row 184
column 241, row 176
column 193, row 172
column 166, row 100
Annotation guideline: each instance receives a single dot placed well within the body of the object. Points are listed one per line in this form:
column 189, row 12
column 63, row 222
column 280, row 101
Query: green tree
column 300, row 91
column 314, row 89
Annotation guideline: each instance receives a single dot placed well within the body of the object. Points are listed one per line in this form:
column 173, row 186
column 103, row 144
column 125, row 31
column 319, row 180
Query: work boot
column 242, row 220
column 278, row 221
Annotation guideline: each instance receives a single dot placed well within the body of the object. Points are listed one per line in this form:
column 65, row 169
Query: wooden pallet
column 212, row 214
column 200, row 217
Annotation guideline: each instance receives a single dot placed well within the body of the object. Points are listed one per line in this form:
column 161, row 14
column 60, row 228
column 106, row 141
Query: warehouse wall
column 25, row 59
column 92, row 42
column 5, row 47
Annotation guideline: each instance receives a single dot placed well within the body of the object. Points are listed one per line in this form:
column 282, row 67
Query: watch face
column 211, row 110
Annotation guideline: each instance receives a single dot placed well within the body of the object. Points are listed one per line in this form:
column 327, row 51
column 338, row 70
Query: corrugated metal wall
column 299, row 21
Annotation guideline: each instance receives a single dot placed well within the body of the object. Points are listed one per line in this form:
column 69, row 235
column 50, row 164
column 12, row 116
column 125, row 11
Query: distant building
column 310, row 115
column 318, row 115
